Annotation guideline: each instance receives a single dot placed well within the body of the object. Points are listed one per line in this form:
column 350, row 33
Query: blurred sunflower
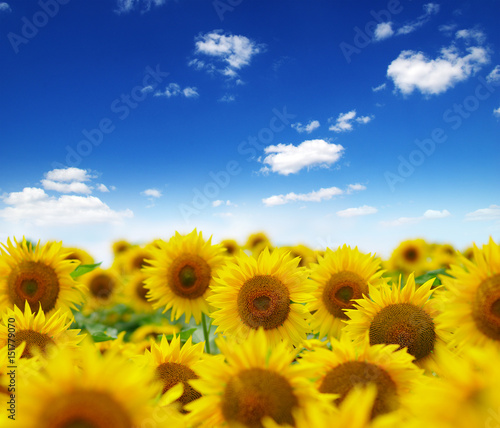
column 442, row 256
column 340, row 277
column 103, row 286
column 40, row 276
column 399, row 315
column 472, row 298
column 307, row 256
column 38, row 331
column 153, row 331
column 135, row 259
column 346, row 366
column 88, row 389
column 230, row 246
column 120, row 247
column 78, row 254
column 257, row 240
column 135, row 293
column 257, row 382
column 180, row 274
column 173, row 364
column 410, row 256
column 268, row 291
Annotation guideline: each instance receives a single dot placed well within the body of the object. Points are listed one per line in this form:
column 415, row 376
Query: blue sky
column 318, row 122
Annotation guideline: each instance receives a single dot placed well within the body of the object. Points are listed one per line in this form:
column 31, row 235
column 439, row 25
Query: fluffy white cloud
column 470, row 35
column 288, row 159
column 494, row 75
column 227, row 98
column 220, row 202
column 379, row 87
column 353, row 212
column 68, row 174
column 413, row 70
column 314, row 196
column 344, row 121
column 73, row 187
column 125, row 6
column 428, row 215
column 173, row 90
column 33, row 205
column 152, row 193
column 224, row 52
column 484, row 214
column 102, row 188
column 355, row 188
column 496, row 112
column 310, row 127
column 383, row 31
column 429, row 10
column 4, row 7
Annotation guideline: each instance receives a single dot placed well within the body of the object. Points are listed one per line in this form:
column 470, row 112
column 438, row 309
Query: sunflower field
column 185, row 332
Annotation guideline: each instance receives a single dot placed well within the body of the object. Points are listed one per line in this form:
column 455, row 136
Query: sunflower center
column 340, row 290
column 85, row 409
column 34, row 282
column 486, row 307
column 410, row 255
column 173, row 373
column 141, row 291
column 255, row 393
column 33, row 339
column 405, row 325
column 263, row 300
column 341, row 379
column 101, row 286
column 189, row 276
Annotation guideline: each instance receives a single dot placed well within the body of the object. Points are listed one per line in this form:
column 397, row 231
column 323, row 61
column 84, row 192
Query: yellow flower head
column 180, row 274
column 268, row 291
column 340, row 276
column 410, row 256
column 40, row 276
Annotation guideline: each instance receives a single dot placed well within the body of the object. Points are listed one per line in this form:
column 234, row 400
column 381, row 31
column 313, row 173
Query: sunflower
column 466, row 394
column 257, row 382
column 40, row 276
column 38, row 331
column 230, row 246
column 472, row 298
column 442, row 256
column 340, row 276
column 135, row 293
column 78, row 254
column 103, row 286
column 346, row 366
column 120, row 247
column 135, row 259
column 307, row 256
column 180, row 274
column 88, row 389
column 153, row 331
column 173, row 364
column 399, row 315
column 410, row 256
column 267, row 292
column 257, row 240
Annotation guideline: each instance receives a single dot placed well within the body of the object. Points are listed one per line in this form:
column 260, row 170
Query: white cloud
column 428, row 215
column 174, row 89
column 448, row 29
column 125, row 6
column 429, row 10
column 496, row 112
column 225, row 53
column 227, row 98
column 379, row 87
column 152, row 193
column 353, row 212
column 314, row 196
column 344, row 121
column 220, row 202
column 484, row 214
column 73, row 187
column 288, row 159
column 68, row 174
column 470, row 35
column 413, row 70
column 147, row 89
column 102, row 188
column 355, row 188
column 34, row 206
column 494, row 75
column 383, row 31
column 310, row 127
column 4, row 7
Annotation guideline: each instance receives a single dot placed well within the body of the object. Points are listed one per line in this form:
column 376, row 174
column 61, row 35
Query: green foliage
column 83, row 269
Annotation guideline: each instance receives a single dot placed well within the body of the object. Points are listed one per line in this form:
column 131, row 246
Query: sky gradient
column 317, row 122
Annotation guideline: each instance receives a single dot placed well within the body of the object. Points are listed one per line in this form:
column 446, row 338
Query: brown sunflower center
column 189, row 276
column 34, row 282
column 410, row 254
column 141, row 291
column 255, row 393
column 85, row 409
column 263, row 300
column 33, row 339
column 405, row 325
column 101, row 286
column 340, row 290
column 486, row 307
column 341, row 379
column 173, row 373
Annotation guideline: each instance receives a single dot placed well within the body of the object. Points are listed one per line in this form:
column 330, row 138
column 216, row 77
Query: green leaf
column 101, row 337
column 419, row 280
column 83, row 269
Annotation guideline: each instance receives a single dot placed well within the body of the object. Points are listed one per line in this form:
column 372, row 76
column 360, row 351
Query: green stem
column 206, row 333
